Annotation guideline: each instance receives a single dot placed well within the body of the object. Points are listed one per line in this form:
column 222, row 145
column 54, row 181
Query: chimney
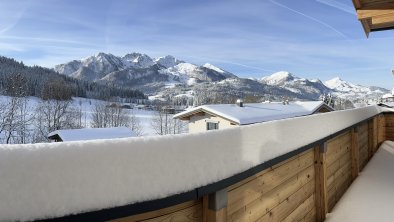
column 240, row 102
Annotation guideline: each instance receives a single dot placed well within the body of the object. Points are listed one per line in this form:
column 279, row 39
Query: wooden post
column 321, row 182
column 355, row 153
column 215, row 207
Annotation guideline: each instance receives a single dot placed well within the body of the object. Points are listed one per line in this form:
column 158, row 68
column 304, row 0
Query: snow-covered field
column 144, row 116
column 86, row 105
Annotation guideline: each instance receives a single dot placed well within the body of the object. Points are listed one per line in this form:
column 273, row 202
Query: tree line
column 38, row 79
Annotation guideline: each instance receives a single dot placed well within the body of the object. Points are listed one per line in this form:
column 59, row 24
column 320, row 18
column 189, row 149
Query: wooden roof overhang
column 202, row 112
column 375, row 15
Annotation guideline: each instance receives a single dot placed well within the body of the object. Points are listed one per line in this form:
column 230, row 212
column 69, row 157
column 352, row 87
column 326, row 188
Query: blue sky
column 251, row 38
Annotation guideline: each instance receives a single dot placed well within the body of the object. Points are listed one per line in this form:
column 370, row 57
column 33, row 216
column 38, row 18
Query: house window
column 212, row 126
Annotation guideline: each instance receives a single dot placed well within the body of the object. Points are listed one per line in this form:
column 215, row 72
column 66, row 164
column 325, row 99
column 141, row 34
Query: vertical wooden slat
column 321, row 183
column 205, row 209
column 355, row 153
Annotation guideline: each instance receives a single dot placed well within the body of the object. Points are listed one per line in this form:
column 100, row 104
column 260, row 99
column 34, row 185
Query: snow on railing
column 51, row 180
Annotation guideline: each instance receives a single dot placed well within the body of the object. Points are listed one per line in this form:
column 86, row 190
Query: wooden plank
column 363, row 143
column 334, row 167
column 355, row 154
column 363, row 134
column 341, row 161
column 191, row 214
column 205, row 208
column 363, row 158
column 375, row 134
column 302, row 210
column 343, row 171
column 334, row 192
column 290, row 204
column 381, row 130
column 340, row 151
column 338, row 190
column 370, row 139
column 241, row 196
column 234, row 186
column 161, row 212
column 320, row 184
column 310, row 216
column 247, row 180
column 389, row 130
column 268, row 201
column 217, row 216
column 338, row 141
column 371, row 13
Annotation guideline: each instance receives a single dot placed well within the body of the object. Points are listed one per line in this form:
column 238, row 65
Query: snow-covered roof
column 92, row 133
column 257, row 112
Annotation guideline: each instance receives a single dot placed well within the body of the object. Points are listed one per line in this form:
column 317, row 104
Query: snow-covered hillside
column 309, row 88
column 347, row 90
column 314, row 87
column 278, row 78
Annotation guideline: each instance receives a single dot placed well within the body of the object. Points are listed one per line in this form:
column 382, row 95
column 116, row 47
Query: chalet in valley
column 221, row 116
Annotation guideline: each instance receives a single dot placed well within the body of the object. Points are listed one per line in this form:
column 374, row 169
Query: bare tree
column 14, row 115
column 109, row 116
column 54, row 115
column 16, row 121
column 163, row 122
column 135, row 124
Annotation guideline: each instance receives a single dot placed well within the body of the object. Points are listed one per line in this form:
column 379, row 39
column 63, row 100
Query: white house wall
column 199, row 123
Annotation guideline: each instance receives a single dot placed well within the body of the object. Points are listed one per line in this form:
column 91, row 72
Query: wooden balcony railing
column 303, row 183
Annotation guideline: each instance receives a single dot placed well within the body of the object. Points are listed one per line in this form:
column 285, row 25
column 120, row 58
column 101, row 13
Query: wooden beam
column 387, row 19
column 320, row 183
column 357, row 4
column 366, row 26
column 370, row 13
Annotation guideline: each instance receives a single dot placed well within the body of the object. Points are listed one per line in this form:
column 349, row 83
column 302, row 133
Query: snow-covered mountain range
column 136, row 69
column 169, row 76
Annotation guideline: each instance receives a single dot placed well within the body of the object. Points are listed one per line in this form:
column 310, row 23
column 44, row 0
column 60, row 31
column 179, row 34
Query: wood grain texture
column 188, row 211
column 241, row 196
